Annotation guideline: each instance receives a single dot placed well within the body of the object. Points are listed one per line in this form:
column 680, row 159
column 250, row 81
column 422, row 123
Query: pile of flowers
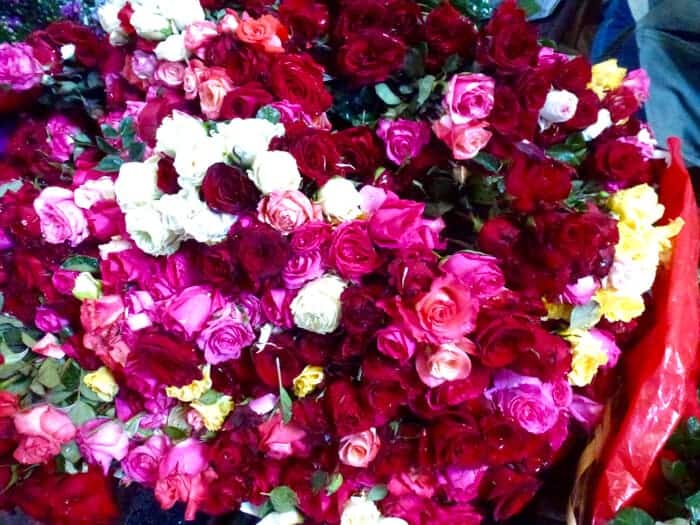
column 358, row 262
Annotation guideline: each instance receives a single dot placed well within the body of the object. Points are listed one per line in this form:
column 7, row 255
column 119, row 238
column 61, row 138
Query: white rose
column 282, row 518
column 94, row 191
column 137, row 183
column 392, row 521
column 182, row 12
column 115, row 245
column 185, row 214
column 275, row 171
column 118, row 38
column 634, row 277
column 594, row 130
column 560, row 106
column 87, row 287
column 340, row 200
column 172, row 48
column 108, row 15
column 179, row 133
column 316, row 307
column 150, row 25
column 192, row 163
column 249, row 137
column 360, row 511
column 146, row 227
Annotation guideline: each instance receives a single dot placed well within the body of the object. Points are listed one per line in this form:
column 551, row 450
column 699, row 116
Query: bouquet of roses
column 358, row 262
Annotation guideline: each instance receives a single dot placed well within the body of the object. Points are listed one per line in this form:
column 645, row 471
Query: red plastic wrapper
column 660, row 375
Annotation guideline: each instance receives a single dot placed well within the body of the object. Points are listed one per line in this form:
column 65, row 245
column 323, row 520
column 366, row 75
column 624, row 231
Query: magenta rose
column 469, row 97
column 394, row 220
column 479, row 272
column 351, row 251
column 19, row 69
column 394, row 342
column 310, row 237
column 61, row 220
column 187, row 312
column 59, row 135
column 48, row 320
column 225, row 335
column 141, row 463
column 301, row 268
column 404, row 139
column 102, row 440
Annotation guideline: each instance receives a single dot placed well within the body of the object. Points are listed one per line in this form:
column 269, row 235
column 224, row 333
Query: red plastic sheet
column 660, row 378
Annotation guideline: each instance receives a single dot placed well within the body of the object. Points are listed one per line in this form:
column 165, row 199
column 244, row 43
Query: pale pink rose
column 194, row 76
column 212, row 91
column 449, row 362
column 59, row 136
column 171, row 74
column 194, row 419
column 19, row 69
column 263, row 404
column 187, row 312
column 225, row 335
column 478, row 271
column 394, row 342
column 358, row 450
column 229, row 22
column 638, row 81
column 278, row 440
column 140, row 310
column 469, row 97
column 61, row 220
column 143, row 65
column 102, row 440
column 198, row 35
column 287, row 210
column 49, row 346
column 465, row 141
column 93, row 191
column 373, row 198
column 559, row 106
column 141, row 463
column 301, row 268
column 50, row 425
column 48, row 320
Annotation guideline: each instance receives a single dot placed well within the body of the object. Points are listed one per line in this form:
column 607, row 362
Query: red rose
column 45, row 50
column 533, row 87
column 163, row 359
column 509, row 118
column 283, row 348
column 244, row 63
column 586, row 111
column 573, row 75
column 622, row 163
column 457, row 443
column 356, row 16
column 413, row 271
column 531, row 183
column 308, row 19
column 228, row 189
column 245, row 101
column 370, row 57
column 262, row 252
column 124, row 16
column 498, row 237
column 447, row 33
column 298, row 79
column 88, row 47
column 359, row 150
column 351, row 251
column 509, row 491
column 346, row 409
column 167, row 176
column 621, row 103
column 361, row 315
column 404, row 20
column 314, row 151
column 153, row 113
column 510, row 43
column 502, row 336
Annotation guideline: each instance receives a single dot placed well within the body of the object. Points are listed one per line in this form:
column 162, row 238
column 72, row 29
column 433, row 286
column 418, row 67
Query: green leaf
column 632, row 516
column 489, row 162
column 82, row 139
column 81, row 412
column 70, row 452
column 71, row 376
column 109, row 132
column 675, row 472
column 334, row 483
column 105, row 146
column 209, row 397
column 425, row 88
column 175, row 433
column 109, row 164
column 283, row 499
column 285, row 405
column 48, row 375
column 481, row 9
column 126, row 126
column 385, row 93
column 13, row 186
column 319, row 479
column 136, row 151
column 269, row 113
column 452, row 64
column 377, row 493
column 571, row 152
column 81, row 263
column 692, row 503
column 585, row 316
column 530, row 7
column 132, row 426
column 59, row 395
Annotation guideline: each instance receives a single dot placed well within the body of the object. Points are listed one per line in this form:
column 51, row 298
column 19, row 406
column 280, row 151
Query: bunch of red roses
column 358, row 262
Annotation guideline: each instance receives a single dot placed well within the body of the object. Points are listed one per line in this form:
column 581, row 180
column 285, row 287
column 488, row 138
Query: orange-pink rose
column 213, row 88
column 449, row 362
column 358, row 450
column 287, row 210
column 266, row 32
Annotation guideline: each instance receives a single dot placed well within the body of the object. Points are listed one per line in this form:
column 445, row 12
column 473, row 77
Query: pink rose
column 43, row 430
column 469, row 97
column 187, row 312
column 49, row 346
column 187, row 457
column 229, row 22
column 581, row 291
column 462, row 484
column 47, row 320
column 394, row 220
column 358, row 450
column 192, row 78
column 191, row 489
column 36, row 449
column 225, row 335
column 64, row 281
column 449, row 362
column 213, row 89
column 287, row 210
column 311, row 236
column 198, row 35
column 417, row 483
column 607, row 342
column 479, row 272
column 143, row 65
column 394, row 342
column 19, row 69
column 276, row 306
column 61, row 220
column 404, row 139
column 446, row 312
column 638, row 81
column 101, row 313
column 59, row 136
column 102, row 440
column 279, row 440
column 301, row 268
column 172, row 74
column 141, row 463
column 351, row 251
column 465, row 141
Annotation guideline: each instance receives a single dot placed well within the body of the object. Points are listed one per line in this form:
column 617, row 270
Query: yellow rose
column 213, row 415
column 637, row 245
column 102, row 383
column 587, row 355
column 310, row 378
column 618, row 307
column 637, row 206
column 194, row 390
column 606, row 76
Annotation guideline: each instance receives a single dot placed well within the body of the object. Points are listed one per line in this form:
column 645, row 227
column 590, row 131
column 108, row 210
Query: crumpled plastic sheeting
column 661, row 369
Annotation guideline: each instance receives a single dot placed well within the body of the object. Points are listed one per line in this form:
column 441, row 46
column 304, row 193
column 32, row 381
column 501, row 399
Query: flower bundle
column 359, row 262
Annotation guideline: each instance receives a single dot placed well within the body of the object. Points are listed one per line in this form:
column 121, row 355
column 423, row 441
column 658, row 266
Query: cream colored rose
column 317, row 307
column 192, row 162
column 87, row 287
column 172, row 48
column 150, row 25
column 179, row 133
column 275, row 171
column 146, row 226
column 137, row 184
column 340, row 200
column 360, row 511
column 247, row 138
column 560, row 106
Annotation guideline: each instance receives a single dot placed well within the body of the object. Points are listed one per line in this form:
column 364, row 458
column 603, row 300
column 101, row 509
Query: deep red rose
column 167, row 176
column 453, row 393
column 351, row 251
column 356, row 16
column 533, row 87
column 212, row 5
column 314, row 151
column 359, row 150
column 308, row 19
column 262, row 251
column 316, row 349
column 217, row 49
column 17, row 213
column 621, row 103
column 45, row 50
column 573, row 75
column 298, row 79
column 411, row 508
column 405, row 20
column 256, row 8
column 532, row 182
column 413, row 271
column 230, row 452
column 509, row 491
column 361, row 315
column 88, row 47
column 509, row 118
column 457, row 443
column 447, row 33
column 586, row 111
column 282, row 348
column 551, row 359
column 345, row 408
column 245, row 101
column 243, row 63
column 217, row 264
column 385, row 400
column 370, row 57
column 228, row 189
column 502, row 336
column 498, row 237
column 312, row 236
column 510, row 43
column 162, row 358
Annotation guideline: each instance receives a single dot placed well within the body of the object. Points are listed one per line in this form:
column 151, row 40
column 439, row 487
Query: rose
column 262, row 252
column 622, row 163
column 447, row 33
column 172, row 48
column 249, row 138
column 275, row 171
column 394, row 221
column 622, row 103
column 510, row 43
column 394, row 342
column 479, row 272
column 361, row 313
column 360, row 511
column 61, row 220
column 213, row 88
column 59, row 135
column 245, row 101
column 94, row 191
column 315, row 152
column 193, row 162
column 157, row 358
column 187, row 312
column 449, row 362
column 317, row 306
column 225, row 335
column 638, row 82
column 19, row 69
column 351, row 251
column 301, row 268
column 279, row 440
column 532, row 182
column 265, row 32
column 308, row 20
column 310, row 237
column 9, row 404
column 149, row 25
column 469, row 97
column 178, row 132
column 171, row 74
column 371, row 56
column 137, row 183
column 140, row 66
column 48, row 319
column 299, row 79
column 43, row 429
column 49, row 346
column 102, row 440
column 559, row 106
column 359, row 450
column 404, row 139
column 287, row 210
column 457, row 443
column 185, row 12
column 228, row 189
column 141, row 463
column 465, row 141
column 199, row 35
column 340, row 200
column 359, row 150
